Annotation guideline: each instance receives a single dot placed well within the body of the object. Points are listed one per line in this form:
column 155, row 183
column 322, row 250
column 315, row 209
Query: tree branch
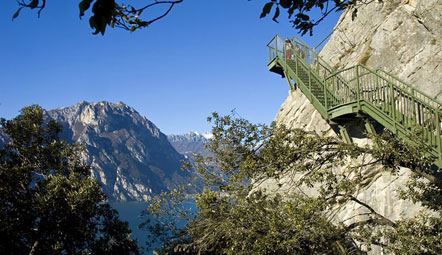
column 379, row 220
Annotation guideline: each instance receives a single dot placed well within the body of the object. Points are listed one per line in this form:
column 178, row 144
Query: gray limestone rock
column 400, row 37
column 128, row 154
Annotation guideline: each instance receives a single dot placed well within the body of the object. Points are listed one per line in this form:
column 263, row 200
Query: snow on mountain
column 190, row 143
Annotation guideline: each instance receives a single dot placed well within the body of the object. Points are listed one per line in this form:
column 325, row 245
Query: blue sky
column 205, row 56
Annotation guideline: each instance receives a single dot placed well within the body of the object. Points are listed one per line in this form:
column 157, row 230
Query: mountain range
column 190, row 143
column 129, row 156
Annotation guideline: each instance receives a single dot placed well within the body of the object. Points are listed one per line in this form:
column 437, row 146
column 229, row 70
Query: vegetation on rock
column 235, row 215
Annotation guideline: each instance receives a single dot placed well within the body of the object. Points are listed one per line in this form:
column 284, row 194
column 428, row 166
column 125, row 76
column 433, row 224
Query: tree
column 298, row 11
column 115, row 13
column 49, row 204
column 236, row 216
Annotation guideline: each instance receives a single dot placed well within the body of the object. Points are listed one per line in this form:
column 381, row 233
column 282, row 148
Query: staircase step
column 409, row 114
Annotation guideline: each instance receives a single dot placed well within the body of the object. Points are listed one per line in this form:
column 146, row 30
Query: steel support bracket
column 344, row 134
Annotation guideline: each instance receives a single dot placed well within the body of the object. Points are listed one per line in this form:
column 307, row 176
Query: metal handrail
column 407, row 107
column 437, row 104
column 403, row 86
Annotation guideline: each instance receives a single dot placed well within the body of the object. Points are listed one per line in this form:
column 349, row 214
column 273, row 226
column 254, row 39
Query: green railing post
column 343, row 92
column 393, row 104
column 305, row 54
column 270, row 54
column 324, row 87
column 358, row 92
column 438, row 134
column 276, row 46
column 317, row 64
column 378, row 92
column 310, row 84
column 413, row 110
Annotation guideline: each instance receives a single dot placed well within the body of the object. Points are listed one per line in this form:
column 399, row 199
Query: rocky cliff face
column 402, row 37
column 128, row 154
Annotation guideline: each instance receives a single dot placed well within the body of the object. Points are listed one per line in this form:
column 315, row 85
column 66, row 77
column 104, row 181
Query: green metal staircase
column 359, row 92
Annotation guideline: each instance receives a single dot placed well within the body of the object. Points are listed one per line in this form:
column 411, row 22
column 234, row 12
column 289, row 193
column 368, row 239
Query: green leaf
column 266, row 9
column 103, row 25
column 16, row 13
column 309, row 5
column 276, row 15
column 93, row 24
column 303, row 16
column 84, row 6
column 285, row 3
column 33, row 4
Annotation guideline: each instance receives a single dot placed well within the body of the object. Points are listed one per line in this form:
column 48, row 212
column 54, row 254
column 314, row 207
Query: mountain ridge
column 190, row 143
column 129, row 156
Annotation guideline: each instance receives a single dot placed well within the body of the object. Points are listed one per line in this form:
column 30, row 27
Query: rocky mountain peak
column 102, row 116
column 190, row 143
column 190, row 136
column 128, row 154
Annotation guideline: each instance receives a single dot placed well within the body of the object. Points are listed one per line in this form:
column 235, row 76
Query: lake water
column 132, row 213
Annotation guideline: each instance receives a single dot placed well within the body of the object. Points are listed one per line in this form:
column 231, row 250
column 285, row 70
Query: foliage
column 49, row 204
column 298, row 11
column 419, row 235
column 129, row 16
column 236, row 215
column 260, row 224
column 111, row 13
